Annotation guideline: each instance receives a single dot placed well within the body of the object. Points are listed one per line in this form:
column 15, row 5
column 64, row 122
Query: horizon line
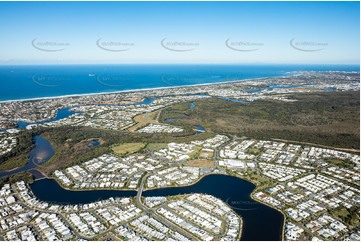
column 54, row 64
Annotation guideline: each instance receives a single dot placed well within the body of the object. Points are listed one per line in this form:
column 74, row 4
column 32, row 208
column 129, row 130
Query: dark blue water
column 58, row 195
column 93, row 143
column 40, row 154
column 22, row 124
column 260, row 222
column 146, row 101
column 62, row 113
column 23, row 82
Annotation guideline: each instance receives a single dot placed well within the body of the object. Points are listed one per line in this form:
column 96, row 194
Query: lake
column 41, row 153
column 260, row 222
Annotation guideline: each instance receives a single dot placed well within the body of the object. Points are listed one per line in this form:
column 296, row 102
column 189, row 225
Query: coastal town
column 91, row 110
column 316, row 188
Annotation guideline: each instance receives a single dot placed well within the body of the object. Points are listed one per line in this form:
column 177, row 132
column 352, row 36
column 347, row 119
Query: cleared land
column 200, row 163
column 128, row 148
column 206, row 155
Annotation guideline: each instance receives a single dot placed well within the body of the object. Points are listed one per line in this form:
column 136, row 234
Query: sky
column 179, row 32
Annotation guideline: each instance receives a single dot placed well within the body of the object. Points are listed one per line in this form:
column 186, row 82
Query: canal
column 260, row 222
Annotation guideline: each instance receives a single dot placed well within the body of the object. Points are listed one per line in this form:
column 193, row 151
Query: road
column 153, row 213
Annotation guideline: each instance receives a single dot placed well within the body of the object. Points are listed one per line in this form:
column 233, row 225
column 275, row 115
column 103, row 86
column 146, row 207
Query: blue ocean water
column 26, row 82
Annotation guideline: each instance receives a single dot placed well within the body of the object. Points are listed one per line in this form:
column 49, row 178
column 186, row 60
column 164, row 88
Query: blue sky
column 192, row 32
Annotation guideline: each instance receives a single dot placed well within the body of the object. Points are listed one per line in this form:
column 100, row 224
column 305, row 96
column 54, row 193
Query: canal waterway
column 260, row 222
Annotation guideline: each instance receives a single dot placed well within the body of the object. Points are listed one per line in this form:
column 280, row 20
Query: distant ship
column 91, row 74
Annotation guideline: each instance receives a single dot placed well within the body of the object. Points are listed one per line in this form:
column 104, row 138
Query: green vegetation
column 25, row 144
column 153, row 115
column 329, row 118
column 195, row 153
column 143, row 120
column 253, row 151
column 350, row 215
column 341, row 163
column 176, row 111
column 181, row 107
column 68, row 143
column 128, row 148
column 12, row 163
column 156, row 146
column 22, row 176
column 260, row 181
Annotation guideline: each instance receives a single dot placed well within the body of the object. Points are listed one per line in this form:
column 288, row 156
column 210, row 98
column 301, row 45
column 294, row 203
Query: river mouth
column 232, row 190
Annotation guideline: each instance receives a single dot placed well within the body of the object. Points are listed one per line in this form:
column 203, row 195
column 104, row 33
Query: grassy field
column 144, row 119
column 195, row 154
column 68, row 143
column 329, row 118
column 253, row 151
column 200, row 163
column 128, row 148
column 341, row 163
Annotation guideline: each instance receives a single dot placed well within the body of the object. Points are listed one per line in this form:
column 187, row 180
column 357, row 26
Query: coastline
column 139, row 90
column 283, row 74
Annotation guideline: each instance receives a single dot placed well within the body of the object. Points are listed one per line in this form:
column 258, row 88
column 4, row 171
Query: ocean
column 41, row 81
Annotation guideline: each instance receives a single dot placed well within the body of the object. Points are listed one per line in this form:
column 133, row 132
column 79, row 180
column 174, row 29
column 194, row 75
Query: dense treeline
column 22, row 176
column 74, row 135
column 328, row 118
column 25, row 143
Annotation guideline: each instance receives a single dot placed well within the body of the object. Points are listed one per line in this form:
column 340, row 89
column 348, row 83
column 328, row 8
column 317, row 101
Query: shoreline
column 283, row 75
column 251, row 196
column 140, row 90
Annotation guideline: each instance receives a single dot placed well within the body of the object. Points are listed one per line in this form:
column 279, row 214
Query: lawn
column 128, row 148
column 156, row 146
column 144, row 119
column 341, row 163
